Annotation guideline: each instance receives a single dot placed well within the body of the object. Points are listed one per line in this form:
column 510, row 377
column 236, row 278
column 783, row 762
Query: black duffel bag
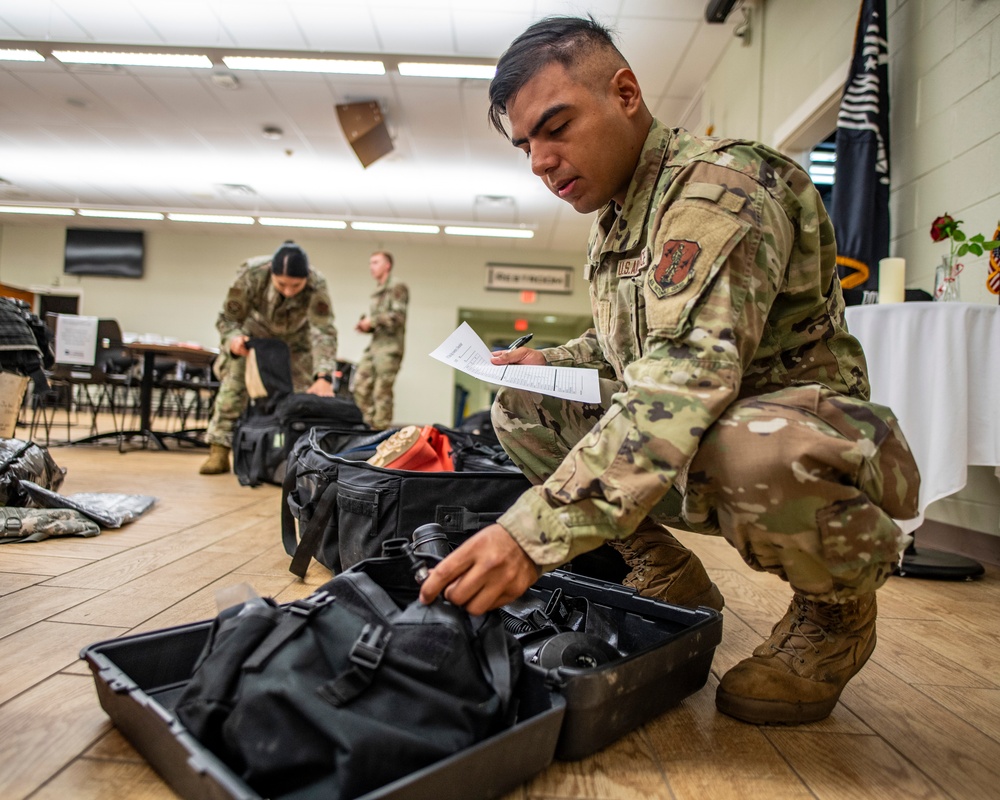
column 355, row 686
column 266, row 432
column 309, row 493
column 347, row 507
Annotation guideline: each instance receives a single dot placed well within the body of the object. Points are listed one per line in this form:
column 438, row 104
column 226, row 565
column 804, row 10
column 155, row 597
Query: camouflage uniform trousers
column 19, row 525
column 231, row 399
column 802, row 481
column 374, row 377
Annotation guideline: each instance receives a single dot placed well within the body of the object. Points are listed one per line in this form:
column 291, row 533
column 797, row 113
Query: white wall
column 187, row 275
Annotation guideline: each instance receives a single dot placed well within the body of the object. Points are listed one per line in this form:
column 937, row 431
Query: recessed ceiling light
column 331, row 65
column 417, row 69
column 110, row 214
column 272, row 132
column 503, row 233
column 20, row 55
column 191, row 60
column 217, row 218
column 289, row 222
column 394, row 227
column 57, row 212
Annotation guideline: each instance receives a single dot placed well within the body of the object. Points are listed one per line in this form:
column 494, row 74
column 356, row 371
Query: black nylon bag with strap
column 309, row 493
column 266, row 432
column 345, row 691
column 375, row 504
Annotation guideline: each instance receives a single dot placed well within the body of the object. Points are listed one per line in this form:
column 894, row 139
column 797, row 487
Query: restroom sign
column 524, row 277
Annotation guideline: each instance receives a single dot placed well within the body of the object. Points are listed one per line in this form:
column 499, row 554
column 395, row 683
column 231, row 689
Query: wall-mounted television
column 91, row 251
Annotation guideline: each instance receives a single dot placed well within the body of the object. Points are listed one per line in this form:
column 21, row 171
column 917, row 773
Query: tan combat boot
column 663, row 568
column 218, row 461
column 797, row 674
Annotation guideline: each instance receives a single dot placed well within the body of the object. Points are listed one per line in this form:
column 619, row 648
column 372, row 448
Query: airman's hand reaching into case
column 485, row 572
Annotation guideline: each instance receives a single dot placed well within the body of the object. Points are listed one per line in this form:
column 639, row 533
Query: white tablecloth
column 937, row 366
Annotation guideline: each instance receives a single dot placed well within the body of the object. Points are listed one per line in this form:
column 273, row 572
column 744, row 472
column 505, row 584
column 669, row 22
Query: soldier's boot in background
column 663, row 568
column 798, row 673
column 217, row 462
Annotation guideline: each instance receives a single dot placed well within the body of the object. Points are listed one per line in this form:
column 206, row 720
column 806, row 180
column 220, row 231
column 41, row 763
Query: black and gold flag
column 860, row 202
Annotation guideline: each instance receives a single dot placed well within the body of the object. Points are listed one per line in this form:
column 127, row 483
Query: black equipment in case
column 632, row 659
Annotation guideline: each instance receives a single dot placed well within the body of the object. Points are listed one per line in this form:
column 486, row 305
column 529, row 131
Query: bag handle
column 311, row 532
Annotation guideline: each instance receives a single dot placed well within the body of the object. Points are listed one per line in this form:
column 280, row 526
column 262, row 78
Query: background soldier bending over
column 278, row 297
column 734, row 400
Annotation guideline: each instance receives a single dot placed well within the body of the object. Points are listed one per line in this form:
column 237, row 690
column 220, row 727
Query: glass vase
column 947, row 290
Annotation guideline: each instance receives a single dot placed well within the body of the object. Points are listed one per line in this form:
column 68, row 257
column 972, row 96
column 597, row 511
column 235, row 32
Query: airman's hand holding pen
column 517, row 353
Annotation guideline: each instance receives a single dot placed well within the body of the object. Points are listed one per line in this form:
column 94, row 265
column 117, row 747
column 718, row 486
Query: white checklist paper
column 465, row 351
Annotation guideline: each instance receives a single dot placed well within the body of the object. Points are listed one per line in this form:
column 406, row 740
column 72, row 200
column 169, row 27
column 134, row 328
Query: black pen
column 521, row 340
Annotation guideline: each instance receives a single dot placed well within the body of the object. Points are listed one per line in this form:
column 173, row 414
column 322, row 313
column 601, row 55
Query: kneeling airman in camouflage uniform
column 734, row 400
column 279, row 297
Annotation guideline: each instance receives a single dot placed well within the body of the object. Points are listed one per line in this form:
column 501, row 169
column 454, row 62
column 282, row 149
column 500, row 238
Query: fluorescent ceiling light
column 503, row 233
column 217, row 218
column 109, row 214
column 332, row 65
column 417, row 69
column 823, row 155
column 289, row 222
column 57, row 212
column 822, row 169
column 394, row 227
column 134, row 59
column 20, row 55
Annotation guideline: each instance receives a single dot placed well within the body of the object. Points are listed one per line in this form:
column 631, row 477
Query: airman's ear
column 626, row 88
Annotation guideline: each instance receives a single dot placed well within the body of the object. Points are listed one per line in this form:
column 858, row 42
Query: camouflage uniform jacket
column 255, row 308
column 387, row 314
column 716, row 280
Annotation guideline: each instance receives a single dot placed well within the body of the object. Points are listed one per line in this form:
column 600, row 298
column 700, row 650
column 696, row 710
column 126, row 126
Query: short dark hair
column 556, row 39
column 386, row 254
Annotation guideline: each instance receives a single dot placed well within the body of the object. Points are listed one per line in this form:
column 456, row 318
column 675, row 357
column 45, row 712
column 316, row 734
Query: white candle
column 891, row 280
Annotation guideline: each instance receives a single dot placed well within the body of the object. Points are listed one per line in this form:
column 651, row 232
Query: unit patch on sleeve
column 676, row 268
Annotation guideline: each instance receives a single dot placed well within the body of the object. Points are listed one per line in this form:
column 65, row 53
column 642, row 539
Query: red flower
column 942, row 228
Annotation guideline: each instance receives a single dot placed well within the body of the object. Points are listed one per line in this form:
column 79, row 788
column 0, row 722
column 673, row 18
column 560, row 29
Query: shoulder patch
column 676, row 267
column 322, row 308
column 234, row 306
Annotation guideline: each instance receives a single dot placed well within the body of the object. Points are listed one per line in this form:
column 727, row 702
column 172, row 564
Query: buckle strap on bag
column 299, row 614
column 458, row 519
column 365, row 657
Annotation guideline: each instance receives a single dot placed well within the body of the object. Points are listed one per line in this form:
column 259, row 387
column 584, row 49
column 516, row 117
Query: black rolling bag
column 266, row 432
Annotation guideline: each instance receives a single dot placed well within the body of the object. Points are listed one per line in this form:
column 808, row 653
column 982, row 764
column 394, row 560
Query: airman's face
column 288, row 287
column 576, row 137
column 379, row 266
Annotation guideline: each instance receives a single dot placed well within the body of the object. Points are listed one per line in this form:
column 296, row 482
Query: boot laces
column 809, row 629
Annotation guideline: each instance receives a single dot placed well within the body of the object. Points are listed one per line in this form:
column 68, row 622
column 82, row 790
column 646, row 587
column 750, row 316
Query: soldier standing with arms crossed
column 386, row 322
column 734, row 400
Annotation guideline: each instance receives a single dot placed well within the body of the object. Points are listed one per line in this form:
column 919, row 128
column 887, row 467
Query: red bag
column 416, row 449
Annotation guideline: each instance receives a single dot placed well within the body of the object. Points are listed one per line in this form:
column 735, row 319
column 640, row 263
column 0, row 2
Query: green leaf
column 991, row 245
column 957, row 235
column 962, row 249
column 975, row 248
